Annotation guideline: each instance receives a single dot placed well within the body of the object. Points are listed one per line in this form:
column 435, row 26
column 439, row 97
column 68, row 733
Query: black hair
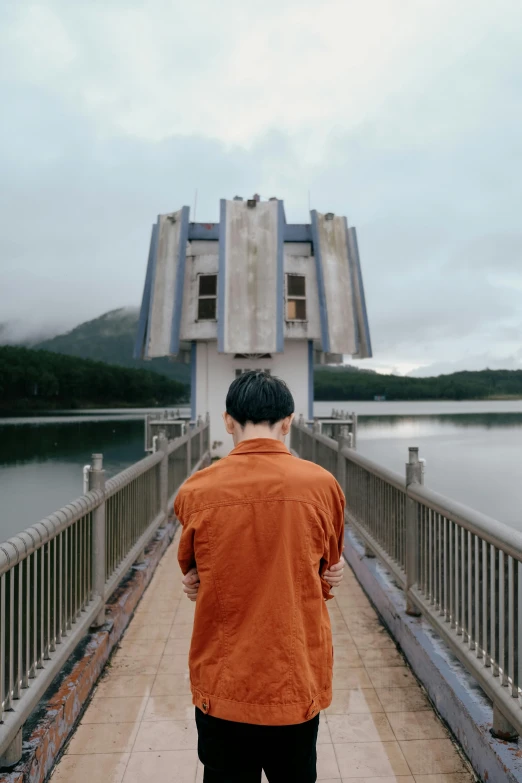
column 259, row 398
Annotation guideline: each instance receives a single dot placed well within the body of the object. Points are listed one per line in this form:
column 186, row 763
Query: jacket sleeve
column 186, row 554
column 333, row 528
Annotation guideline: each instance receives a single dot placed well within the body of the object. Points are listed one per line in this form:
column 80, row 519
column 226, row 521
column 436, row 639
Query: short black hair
column 258, row 397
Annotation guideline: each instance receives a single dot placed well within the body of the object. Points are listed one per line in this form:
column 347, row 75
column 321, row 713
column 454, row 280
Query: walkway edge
column 456, row 696
column 50, row 727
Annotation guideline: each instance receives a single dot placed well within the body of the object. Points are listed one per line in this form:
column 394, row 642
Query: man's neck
column 253, row 431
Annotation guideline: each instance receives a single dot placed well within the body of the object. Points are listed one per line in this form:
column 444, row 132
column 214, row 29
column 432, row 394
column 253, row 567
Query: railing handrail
column 383, row 473
column 487, row 528
column 490, row 529
column 19, row 547
column 127, row 475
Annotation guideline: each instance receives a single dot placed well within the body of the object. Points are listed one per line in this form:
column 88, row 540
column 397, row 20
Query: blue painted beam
column 298, row 232
column 154, row 258
column 310, row 380
column 367, row 343
column 294, row 232
column 221, row 276
column 280, row 288
column 180, row 281
column 354, row 284
column 204, row 231
column 193, row 380
column 325, row 333
column 139, row 344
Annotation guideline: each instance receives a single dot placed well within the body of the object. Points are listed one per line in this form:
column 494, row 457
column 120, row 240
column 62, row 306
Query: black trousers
column 238, row 752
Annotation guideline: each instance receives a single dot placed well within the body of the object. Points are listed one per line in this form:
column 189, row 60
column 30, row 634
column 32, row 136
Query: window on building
column 295, row 298
column 207, row 297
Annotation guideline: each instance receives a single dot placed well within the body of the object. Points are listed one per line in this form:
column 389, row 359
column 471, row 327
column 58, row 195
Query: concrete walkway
column 140, row 725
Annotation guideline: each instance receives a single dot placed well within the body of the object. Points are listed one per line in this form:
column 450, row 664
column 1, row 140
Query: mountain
column 110, row 338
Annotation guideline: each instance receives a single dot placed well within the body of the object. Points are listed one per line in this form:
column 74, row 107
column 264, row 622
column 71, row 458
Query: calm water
column 473, row 453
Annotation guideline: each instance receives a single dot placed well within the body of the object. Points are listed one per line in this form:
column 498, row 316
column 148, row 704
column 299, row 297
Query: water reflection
column 41, row 464
column 71, row 442
column 473, row 458
column 483, row 420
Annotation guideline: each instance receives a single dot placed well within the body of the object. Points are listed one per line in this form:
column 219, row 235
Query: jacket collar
column 260, row 446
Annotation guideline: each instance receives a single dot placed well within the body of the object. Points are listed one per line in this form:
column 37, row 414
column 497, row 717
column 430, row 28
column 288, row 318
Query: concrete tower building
column 252, row 292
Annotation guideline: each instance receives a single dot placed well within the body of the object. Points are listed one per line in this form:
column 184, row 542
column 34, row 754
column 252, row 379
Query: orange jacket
column 262, row 526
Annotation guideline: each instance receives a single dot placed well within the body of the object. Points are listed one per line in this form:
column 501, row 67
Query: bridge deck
column 140, row 725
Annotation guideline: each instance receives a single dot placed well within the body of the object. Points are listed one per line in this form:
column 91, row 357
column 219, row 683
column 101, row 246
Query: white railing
column 459, row 568
column 56, row 576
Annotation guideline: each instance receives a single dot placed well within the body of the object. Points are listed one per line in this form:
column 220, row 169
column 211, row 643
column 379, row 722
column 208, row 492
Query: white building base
column 214, row 372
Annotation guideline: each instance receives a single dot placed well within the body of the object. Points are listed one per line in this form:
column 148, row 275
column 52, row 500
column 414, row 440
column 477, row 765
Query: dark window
column 295, row 298
column 207, row 310
column 296, row 285
column 207, row 298
column 207, row 285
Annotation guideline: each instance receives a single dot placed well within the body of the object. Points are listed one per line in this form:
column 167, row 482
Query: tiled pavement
column 140, row 726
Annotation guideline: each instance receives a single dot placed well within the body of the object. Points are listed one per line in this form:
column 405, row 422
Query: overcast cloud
column 405, row 115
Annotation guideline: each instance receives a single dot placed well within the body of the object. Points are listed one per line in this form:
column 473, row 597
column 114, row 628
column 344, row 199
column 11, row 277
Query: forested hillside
column 110, row 338
column 36, row 380
column 341, row 385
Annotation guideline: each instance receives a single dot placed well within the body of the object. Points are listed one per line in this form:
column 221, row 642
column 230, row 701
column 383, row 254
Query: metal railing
column 56, row 576
column 459, row 568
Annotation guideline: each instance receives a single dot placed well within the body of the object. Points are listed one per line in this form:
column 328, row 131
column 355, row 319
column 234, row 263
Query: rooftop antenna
column 195, row 204
column 309, row 202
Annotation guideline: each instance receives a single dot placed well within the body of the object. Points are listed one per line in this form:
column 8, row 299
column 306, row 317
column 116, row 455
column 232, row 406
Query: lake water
column 473, row 453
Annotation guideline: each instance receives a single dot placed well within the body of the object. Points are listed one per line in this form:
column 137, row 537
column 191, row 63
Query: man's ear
column 287, row 424
column 229, row 423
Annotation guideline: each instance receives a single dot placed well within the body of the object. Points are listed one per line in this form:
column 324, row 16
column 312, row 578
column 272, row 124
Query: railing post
column 13, row 753
column 316, row 428
column 163, row 446
column 344, row 443
column 414, row 475
column 189, row 451
column 354, row 430
column 201, row 443
column 97, row 481
column 502, row 728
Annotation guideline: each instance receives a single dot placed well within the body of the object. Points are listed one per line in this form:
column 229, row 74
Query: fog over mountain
column 404, row 116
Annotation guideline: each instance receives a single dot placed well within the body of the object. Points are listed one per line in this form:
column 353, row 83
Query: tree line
column 41, row 379
column 336, row 384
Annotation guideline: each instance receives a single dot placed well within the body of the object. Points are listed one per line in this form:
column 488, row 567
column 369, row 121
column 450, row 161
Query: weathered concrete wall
column 202, row 258
column 249, row 248
column 335, row 283
column 361, row 315
column 215, row 372
column 456, row 696
column 166, row 277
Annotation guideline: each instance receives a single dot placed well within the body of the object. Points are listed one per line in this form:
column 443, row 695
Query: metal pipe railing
column 57, row 575
column 459, row 568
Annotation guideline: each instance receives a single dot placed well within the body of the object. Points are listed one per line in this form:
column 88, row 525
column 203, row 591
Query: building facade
column 252, row 292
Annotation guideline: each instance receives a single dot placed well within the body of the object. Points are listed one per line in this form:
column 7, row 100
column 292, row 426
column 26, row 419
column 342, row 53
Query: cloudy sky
column 405, row 115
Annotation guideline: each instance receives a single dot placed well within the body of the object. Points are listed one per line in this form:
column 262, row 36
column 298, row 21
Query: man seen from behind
column 265, row 532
